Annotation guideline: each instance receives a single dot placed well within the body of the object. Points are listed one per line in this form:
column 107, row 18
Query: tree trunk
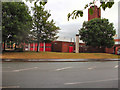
column 37, row 43
column 38, row 39
column 38, row 46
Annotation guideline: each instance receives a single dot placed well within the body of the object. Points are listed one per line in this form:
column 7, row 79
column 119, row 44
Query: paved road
column 60, row 74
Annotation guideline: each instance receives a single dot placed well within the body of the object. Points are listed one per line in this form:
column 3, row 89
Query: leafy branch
column 79, row 13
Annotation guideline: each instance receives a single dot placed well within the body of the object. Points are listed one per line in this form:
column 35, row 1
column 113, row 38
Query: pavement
column 58, row 60
column 60, row 74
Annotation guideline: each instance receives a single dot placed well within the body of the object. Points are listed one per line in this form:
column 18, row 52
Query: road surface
column 60, row 74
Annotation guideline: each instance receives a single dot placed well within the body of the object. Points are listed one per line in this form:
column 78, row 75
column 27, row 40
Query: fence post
column 33, row 46
column 44, row 47
column 29, row 47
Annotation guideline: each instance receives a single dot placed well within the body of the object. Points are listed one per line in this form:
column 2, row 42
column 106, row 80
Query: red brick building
column 96, row 12
column 115, row 48
column 62, row 46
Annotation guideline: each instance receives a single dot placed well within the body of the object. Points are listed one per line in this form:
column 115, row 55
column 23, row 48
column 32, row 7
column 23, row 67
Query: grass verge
column 56, row 55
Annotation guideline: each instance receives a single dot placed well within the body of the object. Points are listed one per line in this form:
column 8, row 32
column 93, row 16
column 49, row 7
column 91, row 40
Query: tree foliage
column 79, row 13
column 16, row 21
column 50, row 32
column 97, row 33
column 44, row 29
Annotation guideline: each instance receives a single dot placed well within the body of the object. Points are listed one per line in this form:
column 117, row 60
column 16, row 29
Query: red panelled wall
column 48, row 47
column 31, row 46
column 41, row 46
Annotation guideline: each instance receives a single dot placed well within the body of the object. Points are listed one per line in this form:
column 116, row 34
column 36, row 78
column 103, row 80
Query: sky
column 60, row 8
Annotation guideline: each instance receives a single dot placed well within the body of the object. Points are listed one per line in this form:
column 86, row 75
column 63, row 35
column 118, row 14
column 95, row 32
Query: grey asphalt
column 60, row 74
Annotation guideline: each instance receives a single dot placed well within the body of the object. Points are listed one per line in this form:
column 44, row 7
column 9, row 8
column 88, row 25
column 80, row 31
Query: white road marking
column 116, row 66
column 24, row 69
column 5, row 71
column 62, row 68
column 10, row 87
column 5, row 67
column 90, row 81
column 92, row 67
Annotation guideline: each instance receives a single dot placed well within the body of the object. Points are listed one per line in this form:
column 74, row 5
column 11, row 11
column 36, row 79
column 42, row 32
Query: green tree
column 50, row 32
column 16, row 22
column 43, row 29
column 79, row 13
column 97, row 33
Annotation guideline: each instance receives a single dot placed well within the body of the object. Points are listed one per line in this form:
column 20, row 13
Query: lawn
column 56, row 55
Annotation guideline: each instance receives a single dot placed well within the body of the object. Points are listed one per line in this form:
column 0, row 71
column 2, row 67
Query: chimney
column 77, row 44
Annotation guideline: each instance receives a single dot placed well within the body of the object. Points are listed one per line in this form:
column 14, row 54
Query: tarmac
column 58, row 60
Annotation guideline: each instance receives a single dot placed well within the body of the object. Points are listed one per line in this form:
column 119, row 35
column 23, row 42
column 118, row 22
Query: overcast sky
column 60, row 8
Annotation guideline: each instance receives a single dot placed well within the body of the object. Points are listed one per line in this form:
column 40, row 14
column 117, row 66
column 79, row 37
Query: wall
column 109, row 50
column 113, row 49
column 57, row 46
column 88, row 49
column 65, row 46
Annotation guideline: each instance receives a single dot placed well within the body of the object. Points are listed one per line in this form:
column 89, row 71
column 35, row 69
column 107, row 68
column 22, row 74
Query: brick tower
column 96, row 13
